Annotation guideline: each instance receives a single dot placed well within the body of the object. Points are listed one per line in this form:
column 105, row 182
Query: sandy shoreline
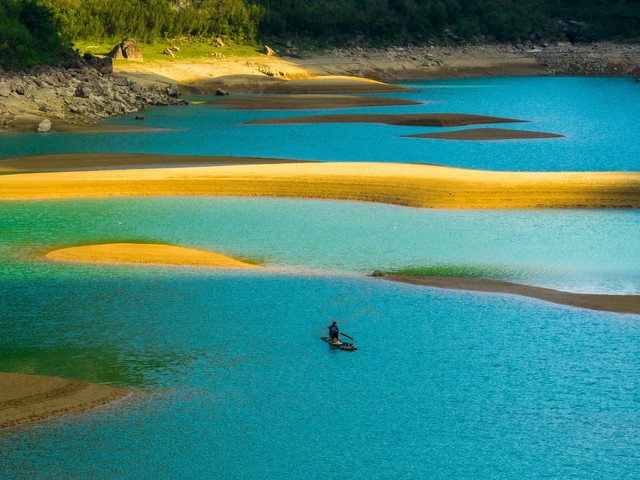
column 73, row 104
column 158, row 254
column 414, row 185
column 66, row 162
column 401, row 119
column 486, row 134
column 31, row 398
column 608, row 303
column 145, row 253
column 307, row 102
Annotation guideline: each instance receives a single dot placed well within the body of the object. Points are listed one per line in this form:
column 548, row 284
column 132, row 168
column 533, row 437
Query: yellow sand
column 29, row 398
column 426, row 186
column 145, row 253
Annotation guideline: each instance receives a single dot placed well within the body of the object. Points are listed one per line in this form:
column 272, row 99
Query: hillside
column 43, row 31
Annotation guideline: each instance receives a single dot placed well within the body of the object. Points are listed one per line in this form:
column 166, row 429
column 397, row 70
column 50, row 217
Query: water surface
column 598, row 117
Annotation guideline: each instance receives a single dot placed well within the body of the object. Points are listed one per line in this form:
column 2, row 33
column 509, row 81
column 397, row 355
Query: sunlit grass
column 188, row 50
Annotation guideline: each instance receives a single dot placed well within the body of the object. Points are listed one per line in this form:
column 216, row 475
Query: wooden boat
column 347, row 347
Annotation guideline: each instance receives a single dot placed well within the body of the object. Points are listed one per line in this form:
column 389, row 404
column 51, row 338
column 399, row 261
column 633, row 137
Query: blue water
column 229, row 376
column 588, row 251
column 599, row 118
column 233, row 382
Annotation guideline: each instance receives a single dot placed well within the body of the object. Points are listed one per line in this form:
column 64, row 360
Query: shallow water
column 598, row 117
column 588, row 251
column 230, row 377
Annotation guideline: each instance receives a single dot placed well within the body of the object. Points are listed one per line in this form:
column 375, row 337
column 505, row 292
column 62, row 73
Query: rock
column 378, row 273
column 128, row 49
column 267, row 50
column 102, row 65
column 44, row 126
column 169, row 52
column 116, row 52
column 221, row 92
column 5, row 90
column 83, row 91
column 139, row 117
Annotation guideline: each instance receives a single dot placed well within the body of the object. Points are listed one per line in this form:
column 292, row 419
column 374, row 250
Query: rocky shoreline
column 50, row 98
column 87, row 91
column 428, row 62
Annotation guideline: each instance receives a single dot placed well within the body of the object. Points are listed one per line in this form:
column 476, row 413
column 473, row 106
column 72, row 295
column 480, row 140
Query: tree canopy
column 34, row 31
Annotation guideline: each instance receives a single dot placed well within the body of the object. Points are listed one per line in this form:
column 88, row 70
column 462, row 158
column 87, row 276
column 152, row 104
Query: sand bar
column 333, row 84
column 415, row 185
column 107, row 161
column 145, row 253
column 608, row 303
column 405, row 119
column 30, row 398
column 307, row 102
column 486, row 134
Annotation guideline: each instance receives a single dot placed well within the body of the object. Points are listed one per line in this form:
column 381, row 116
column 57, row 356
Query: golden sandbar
column 145, row 253
column 333, row 84
column 415, row 185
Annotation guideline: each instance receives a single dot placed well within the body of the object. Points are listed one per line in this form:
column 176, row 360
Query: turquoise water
column 230, row 378
column 599, row 118
column 588, row 251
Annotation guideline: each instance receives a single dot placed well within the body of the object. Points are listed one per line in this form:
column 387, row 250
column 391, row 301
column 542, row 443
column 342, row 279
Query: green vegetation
column 28, row 34
column 191, row 49
column 36, row 31
column 151, row 20
column 418, row 21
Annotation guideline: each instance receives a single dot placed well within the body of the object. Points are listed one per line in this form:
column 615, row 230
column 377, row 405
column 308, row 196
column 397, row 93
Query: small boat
column 348, row 347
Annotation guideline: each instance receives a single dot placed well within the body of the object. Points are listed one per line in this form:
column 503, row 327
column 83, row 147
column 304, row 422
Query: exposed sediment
column 307, row 102
column 415, row 185
column 31, row 398
column 486, row 134
column 403, row 119
column 145, row 253
column 608, row 303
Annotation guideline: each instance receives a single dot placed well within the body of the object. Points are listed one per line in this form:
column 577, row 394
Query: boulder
column 116, row 52
column 44, row 126
column 128, row 49
column 221, row 92
column 267, row 50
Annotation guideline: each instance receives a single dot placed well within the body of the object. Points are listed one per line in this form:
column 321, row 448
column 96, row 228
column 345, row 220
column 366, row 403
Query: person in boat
column 334, row 332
